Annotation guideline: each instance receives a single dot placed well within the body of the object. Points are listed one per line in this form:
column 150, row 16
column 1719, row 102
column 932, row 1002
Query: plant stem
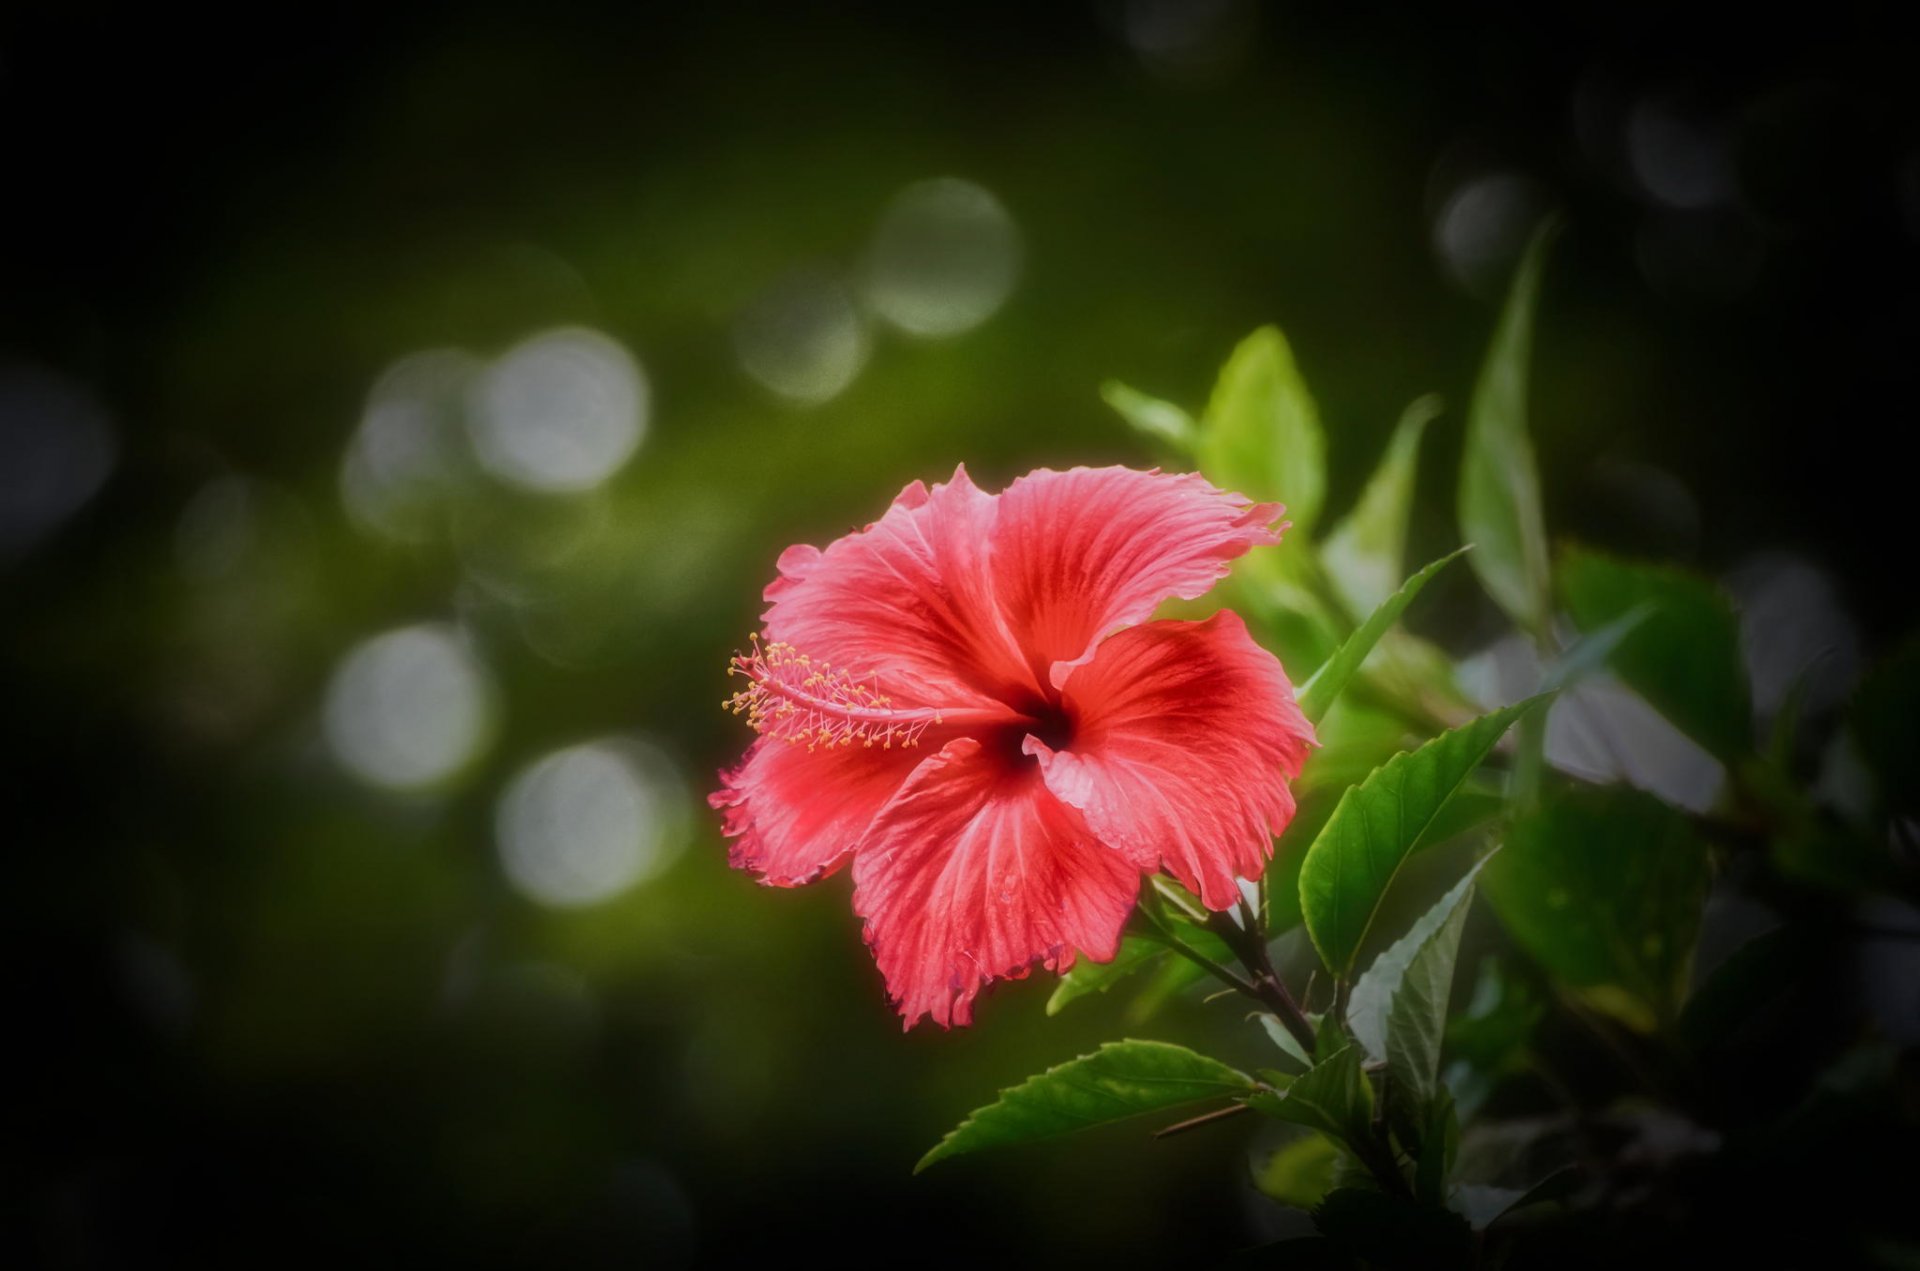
column 1264, row 985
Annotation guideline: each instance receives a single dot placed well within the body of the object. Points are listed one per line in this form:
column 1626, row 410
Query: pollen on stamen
column 794, row 699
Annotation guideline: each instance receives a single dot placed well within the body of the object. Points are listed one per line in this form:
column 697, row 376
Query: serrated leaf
column 1325, row 687
column 1604, row 889
column 1333, row 1097
column 1684, row 657
column 1378, row 824
column 1365, row 554
column 1499, row 484
column 1398, row 1009
column 1137, row 953
column 1300, row 1173
column 1120, row 1080
column 1157, row 420
column 1261, row 433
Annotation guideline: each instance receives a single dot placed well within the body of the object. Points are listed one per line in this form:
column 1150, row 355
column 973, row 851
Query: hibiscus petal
column 975, row 872
column 794, row 814
column 908, row 600
column 1185, row 735
column 1080, row 553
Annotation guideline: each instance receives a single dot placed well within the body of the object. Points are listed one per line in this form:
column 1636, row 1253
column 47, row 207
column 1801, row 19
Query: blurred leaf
column 1760, row 972
column 1592, row 651
column 1884, row 718
column 1684, row 657
column 1261, row 434
column 1152, row 418
column 1170, row 977
column 1301, row 1173
column 1482, row 1206
column 1378, row 824
column 1290, row 852
column 1333, row 1097
column 1137, row 953
column 1325, row 687
column 1490, row 1038
column 1499, row 486
column 1398, row 1009
column 1392, row 1232
column 1120, row 1080
column 1604, row 888
column 1365, row 554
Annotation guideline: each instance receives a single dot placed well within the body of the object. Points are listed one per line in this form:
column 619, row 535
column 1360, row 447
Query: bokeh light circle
column 409, row 708
column 560, row 412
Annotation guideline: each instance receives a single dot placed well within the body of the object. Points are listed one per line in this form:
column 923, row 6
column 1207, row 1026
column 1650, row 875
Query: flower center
column 796, row 699
column 1052, row 725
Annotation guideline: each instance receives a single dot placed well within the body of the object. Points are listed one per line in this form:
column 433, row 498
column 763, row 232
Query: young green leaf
column 1499, row 486
column 1152, row 418
column 1301, row 1173
column 1376, row 827
column 1137, row 953
column 1684, row 657
column 1604, row 888
column 1325, row 687
column 1398, row 1010
column 1261, row 433
column 1119, row 1080
column 1333, row 1097
column 1365, row 552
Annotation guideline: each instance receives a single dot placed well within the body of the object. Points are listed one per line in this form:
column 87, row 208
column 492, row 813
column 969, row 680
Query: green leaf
column 1137, row 953
column 1152, row 418
column 1261, row 434
column 1321, row 691
column 1761, row 973
column 1604, row 888
column 1365, row 553
column 1482, row 1206
column 1499, row 486
column 1489, row 1039
column 1684, row 657
column 1333, row 1097
column 1398, row 1009
column 1592, row 651
column 1301, row 1173
column 1376, row 827
column 1120, row 1080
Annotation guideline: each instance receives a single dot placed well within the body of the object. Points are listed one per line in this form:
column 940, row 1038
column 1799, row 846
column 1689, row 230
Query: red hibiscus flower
column 956, row 700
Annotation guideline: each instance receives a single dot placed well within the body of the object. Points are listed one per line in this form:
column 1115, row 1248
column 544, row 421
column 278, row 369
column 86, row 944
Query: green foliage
column 1604, row 888
column 1364, row 554
column 1300, row 1173
column 1261, row 433
column 1157, row 420
column 1120, row 1080
column 1499, row 485
column 1333, row 1097
column 1398, row 1009
column 1325, row 687
column 1683, row 656
column 1378, row 824
column 1137, row 953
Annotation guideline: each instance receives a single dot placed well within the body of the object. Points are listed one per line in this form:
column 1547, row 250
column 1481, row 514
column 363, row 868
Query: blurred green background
column 400, row 412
